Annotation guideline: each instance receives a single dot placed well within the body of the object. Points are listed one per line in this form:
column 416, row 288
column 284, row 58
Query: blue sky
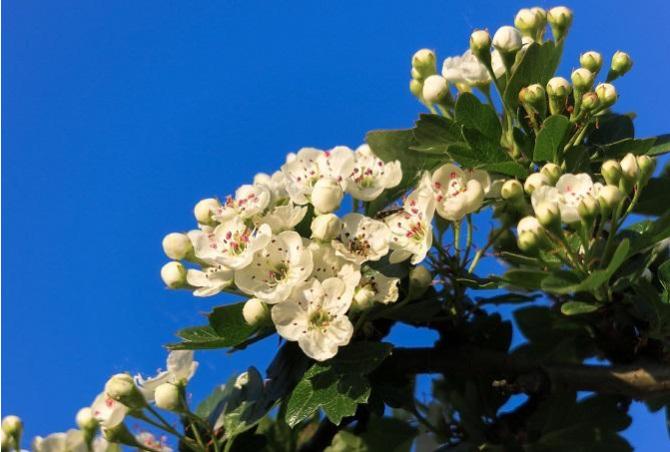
column 119, row 116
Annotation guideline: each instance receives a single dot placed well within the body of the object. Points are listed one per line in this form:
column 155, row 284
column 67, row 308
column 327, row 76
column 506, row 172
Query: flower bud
column 621, row 63
column 552, row 172
column 415, row 87
column 549, row 215
column 420, row 279
column 168, row 397
column 203, row 210
column 255, row 312
column 13, row 427
column 326, row 227
column 535, row 96
column 582, row 79
column 173, row 275
column 591, row 60
column 527, row 21
column 121, row 387
column 416, row 75
column 607, row 94
column 423, row 61
column 85, row 420
column 629, row 168
column 560, row 19
column 528, row 242
column 121, row 435
column 590, row 101
column 647, row 166
column 363, row 298
column 529, row 224
column 609, row 197
column 534, row 181
column 177, row 246
column 480, row 45
column 511, row 190
column 326, row 195
column 507, row 40
column 435, row 89
column 558, row 87
column 611, row 172
column 5, row 441
column 588, row 208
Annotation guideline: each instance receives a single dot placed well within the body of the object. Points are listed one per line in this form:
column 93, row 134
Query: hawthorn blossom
column 362, row 239
column 569, row 191
column 71, row 441
column 465, row 69
column 276, row 269
column 328, row 264
column 371, row 176
column 107, row 411
column 456, row 193
column 180, row 369
column 149, row 440
column 209, row 281
column 249, row 200
column 232, row 243
column 411, row 227
column 376, row 287
column 276, row 183
column 316, row 318
column 282, row 217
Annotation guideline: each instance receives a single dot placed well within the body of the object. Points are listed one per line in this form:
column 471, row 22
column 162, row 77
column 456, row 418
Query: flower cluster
column 309, row 284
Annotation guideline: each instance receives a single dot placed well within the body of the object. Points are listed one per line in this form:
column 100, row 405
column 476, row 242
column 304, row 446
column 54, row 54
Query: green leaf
column 199, row 338
column 360, row 357
column 595, row 279
column 577, row 308
column 525, row 279
column 661, row 145
column 345, row 441
column 619, row 149
column 487, row 155
column 654, row 197
column 433, row 134
column 612, row 127
column 228, row 322
column 550, row 138
column 391, row 145
column 647, row 233
column 470, row 112
column 664, row 275
column 537, row 65
column 208, row 405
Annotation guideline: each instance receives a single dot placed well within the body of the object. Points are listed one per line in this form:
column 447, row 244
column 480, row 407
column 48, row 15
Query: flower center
column 320, row 319
column 359, row 245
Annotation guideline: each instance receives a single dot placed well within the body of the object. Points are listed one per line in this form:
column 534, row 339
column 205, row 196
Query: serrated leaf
column 619, row 149
column 486, row 154
column 537, row 65
column 577, row 308
column 470, row 112
column 647, row 233
column 433, row 134
column 550, row 138
column 661, row 145
column 654, row 197
column 199, row 338
column 612, row 127
column 228, row 322
column 206, row 407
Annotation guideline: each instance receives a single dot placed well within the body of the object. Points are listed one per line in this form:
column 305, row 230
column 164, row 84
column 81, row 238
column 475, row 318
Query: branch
column 636, row 380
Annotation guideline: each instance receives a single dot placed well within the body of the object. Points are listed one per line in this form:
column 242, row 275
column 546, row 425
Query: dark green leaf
column 647, row 233
column 654, row 197
column 612, row 127
column 551, row 138
column 433, row 134
column 228, row 322
column 206, row 407
column 619, row 149
column 661, row 145
column 525, row 279
column 485, row 154
column 471, row 113
column 199, row 338
column 577, row 308
column 537, row 65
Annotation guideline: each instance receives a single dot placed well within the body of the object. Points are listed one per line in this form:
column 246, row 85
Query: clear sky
column 119, row 116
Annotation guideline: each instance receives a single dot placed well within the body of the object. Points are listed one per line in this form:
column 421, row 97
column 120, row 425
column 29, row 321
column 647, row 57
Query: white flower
column 210, row 281
column 72, row 441
column 149, row 440
column 275, row 183
column 455, row 193
column 326, row 195
column 107, row 411
column 232, row 243
column 371, row 176
column 375, row 287
column 249, row 200
column 328, row 264
column 362, row 239
column 282, row 217
column 507, row 39
column 411, row 228
column 316, row 318
column 465, row 69
column 180, row 369
column 276, row 269
column 568, row 193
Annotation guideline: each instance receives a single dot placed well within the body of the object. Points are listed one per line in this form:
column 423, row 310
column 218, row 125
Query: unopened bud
column 13, row 427
column 558, row 87
column 511, row 190
column 647, row 166
column 552, row 172
column 5, row 441
column 420, row 279
column 326, row 227
column 85, row 420
column 121, row 387
column 527, row 21
column 535, row 181
column 588, row 208
column 535, row 96
column 326, row 195
column 611, row 172
column 255, row 312
column 560, row 19
column 507, row 40
column 173, row 275
column 609, row 197
column 607, row 94
column 621, row 63
column 582, row 79
column 363, row 298
column 549, row 215
column 121, row 435
column 416, row 88
column 168, row 397
column 423, row 61
column 629, row 168
column 528, row 242
column 177, row 246
column 203, row 210
column 590, row 101
column 435, row 89
column 529, row 224
column 480, row 45
column 592, row 61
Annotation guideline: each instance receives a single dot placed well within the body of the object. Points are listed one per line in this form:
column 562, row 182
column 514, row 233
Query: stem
column 468, row 240
column 480, row 252
column 457, row 237
column 165, row 423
